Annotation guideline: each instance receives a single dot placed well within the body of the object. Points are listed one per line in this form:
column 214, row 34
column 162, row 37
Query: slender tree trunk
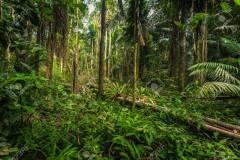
column 182, row 61
column 135, row 73
column 92, row 54
column 94, row 60
column 136, row 49
column 1, row 10
column 109, row 54
column 6, row 49
column 174, row 49
column 182, row 47
column 7, row 57
column 75, row 67
column 50, row 52
column 200, row 39
column 105, row 53
column 29, row 31
column 120, row 6
column 205, row 33
column 101, row 51
column 2, row 60
column 97, row 54
column 40, row 40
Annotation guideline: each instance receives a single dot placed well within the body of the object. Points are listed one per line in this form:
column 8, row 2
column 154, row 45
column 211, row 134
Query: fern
column 217, row 88
column 224, row 79
column 227, row 28
column 208, row 66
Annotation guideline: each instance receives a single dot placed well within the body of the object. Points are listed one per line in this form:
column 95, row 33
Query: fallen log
column 208, row 123
column 127, row 100
column 223, row 124
column 220, row 130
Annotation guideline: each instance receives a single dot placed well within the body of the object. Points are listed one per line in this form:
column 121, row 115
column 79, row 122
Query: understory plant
column 220, row 79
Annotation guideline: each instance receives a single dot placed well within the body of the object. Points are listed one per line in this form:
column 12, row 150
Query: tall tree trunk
column 1, row 10
column 97, row 53
column 50, row 47
column 6, row 48
column 136, row 49
column 1, row 52
column 182, row 48
column 174, row 50
column 105, row 54
column 101, row 51
column 41, row 41
column 29, row 31
column 75, row 67
column 200, row 37
column 120, row 6
column 92, row 54
column 109, row 53
column 182, row 61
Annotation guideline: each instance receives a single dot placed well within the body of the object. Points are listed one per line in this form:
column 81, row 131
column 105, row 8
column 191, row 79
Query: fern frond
column 224, row 76
column 213, row 66
column 213, row 89
column 226, row 28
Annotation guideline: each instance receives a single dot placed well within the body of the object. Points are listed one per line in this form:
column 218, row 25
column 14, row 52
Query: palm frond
column 223, row 76
column 227, row 28
column 218, row 74
column 214, row 89
column 213, row 66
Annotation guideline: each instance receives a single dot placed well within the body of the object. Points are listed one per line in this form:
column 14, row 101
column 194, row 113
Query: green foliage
column 225, row 6
column 54, row 124
column 237, row 2
column 6, row 151
column 224, row 79
column 197, row 18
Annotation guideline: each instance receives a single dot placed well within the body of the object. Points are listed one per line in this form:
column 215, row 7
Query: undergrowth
column 53, row 124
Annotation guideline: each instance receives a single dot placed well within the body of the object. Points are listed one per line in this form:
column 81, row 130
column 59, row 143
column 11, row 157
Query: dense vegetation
column 119, row 79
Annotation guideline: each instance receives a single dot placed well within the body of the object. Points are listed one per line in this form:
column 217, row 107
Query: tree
column 200, row 35
column 102, row 49
column 173, row 54
column 1, row 10
column 178, row 55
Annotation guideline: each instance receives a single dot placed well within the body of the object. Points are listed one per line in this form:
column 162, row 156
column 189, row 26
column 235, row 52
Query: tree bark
column 41, row 41
column 136, row 49
column 108, row 53
column 174, row 50
column 105, row 54
column 1, row 10
column 50, row 52
column 200, row 37
column 75, row 67
column 185, row 7
column 175, row 46
column 101, row 51
column 120, row 6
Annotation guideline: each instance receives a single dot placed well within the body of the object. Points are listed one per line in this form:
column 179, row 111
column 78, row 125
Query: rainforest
column 119, row 79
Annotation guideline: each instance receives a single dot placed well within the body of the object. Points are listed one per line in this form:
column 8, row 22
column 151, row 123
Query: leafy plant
column 223, row 79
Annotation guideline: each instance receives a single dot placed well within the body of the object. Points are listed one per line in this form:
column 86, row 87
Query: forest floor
column 80, row 126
